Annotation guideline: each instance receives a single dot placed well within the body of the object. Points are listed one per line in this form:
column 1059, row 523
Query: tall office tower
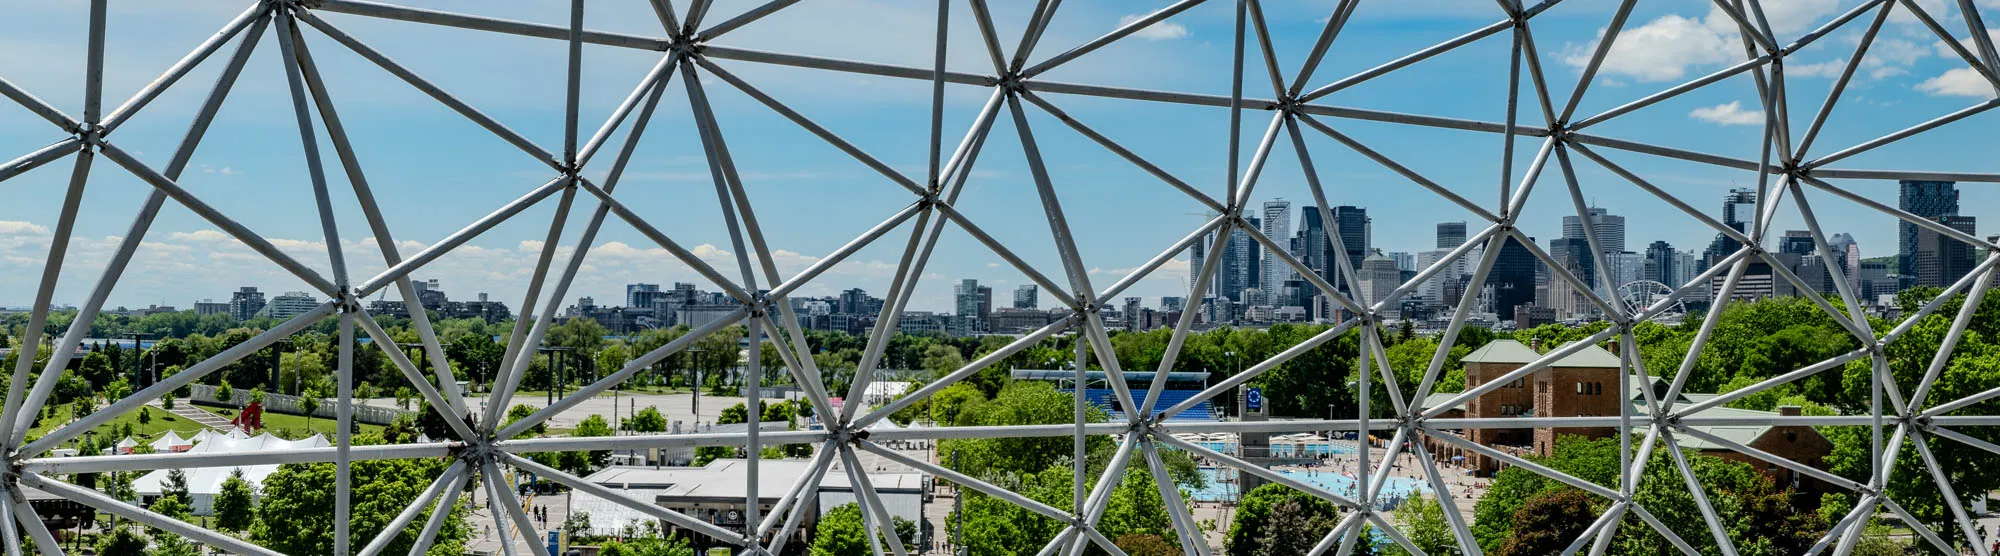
column 1797, row 242
column 1197, row 259
column 1941, row 260
column 1239, row 270
column 1378, row 277
column 1025, row 296
column 1626, row 268
column 1686, row 267
column 854, row 301
column 1354, row 228
column 1929, row 199
column 1450, row 235
column 1313, row 241
column 1512, row 278
column 636, row 294
column 245, row 303
column 1403, row 260
column 1847, row 256
column 1132, row 321
column 1433, row 290
column 1736, row 205
column 1278, row 227
column 1172, row 303
column 1573, row 253
column 1610, row 229
column 1660, row 265
column 973, row 299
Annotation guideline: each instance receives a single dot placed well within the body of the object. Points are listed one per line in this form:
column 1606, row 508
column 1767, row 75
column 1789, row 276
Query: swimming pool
column 1222, row 484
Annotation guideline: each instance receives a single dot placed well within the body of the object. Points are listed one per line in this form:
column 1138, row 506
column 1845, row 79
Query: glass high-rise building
column 1450, row 235
column 1929, row 199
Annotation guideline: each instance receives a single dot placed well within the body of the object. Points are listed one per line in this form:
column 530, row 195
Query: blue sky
column 434, row 171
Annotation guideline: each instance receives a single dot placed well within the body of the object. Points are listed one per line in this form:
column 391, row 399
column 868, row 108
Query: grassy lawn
column 295, row 427
column 159, row 423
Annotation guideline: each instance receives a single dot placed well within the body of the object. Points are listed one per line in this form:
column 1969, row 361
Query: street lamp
column 694, row 364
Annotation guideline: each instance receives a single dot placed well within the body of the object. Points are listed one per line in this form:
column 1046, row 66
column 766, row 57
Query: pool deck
column 1465, row 489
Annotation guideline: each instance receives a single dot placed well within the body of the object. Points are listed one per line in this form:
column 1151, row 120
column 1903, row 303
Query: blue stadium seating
column 1102, row 397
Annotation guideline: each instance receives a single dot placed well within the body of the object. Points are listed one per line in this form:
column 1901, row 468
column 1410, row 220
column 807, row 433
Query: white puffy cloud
column 20, row 228
column 1944, row 49
column 1159, row 30
column 1829, row 68
column 1961, row 82
column 1669, row 47
column 1661, row 50
column 1728, row 114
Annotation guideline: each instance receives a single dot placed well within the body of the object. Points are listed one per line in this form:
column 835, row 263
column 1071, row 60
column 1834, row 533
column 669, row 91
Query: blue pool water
column 1222, row 484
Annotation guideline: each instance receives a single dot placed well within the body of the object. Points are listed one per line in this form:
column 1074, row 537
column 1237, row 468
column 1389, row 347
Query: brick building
column 1585, row 384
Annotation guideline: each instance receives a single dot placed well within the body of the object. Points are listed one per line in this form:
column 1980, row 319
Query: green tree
column 1422, row 521
column 1295, row 526
column 1269, row 509
column 1548, row 523
column 949, row 403
column 235, row 505
column 647, row 420
column 843, row 532
column 522, row 411
column 121, row 540
column 297, row 507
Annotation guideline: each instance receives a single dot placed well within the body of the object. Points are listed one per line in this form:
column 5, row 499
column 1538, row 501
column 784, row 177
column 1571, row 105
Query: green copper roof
column 1502, row 351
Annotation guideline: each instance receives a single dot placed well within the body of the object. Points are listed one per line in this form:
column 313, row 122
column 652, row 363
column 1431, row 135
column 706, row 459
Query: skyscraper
column 1378, row 277
column 1277, row 225
column 1353, row 225
column 1573, row 253
column 1313, row 242
column 1240, row 269
column 1734, row 206
column 1610, row 229
column 1847, row 256
column 1941, row 260
column 1450, row 235
column 974, row 300
column 1025, row 296
column 1660, row 264
column 245, row 303
column 1512, row 278
column 1929, row 199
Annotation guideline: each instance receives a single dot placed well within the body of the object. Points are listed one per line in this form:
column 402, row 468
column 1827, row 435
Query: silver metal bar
column 1675, row 91
column 1579, row 139
column 871, row 503
column 1262, row 472
column 620, row 498
column 525, row 339
column 13, row 416
column 821, row 463
column 1904, row 215
column 1451, row 331
column 250, row 239
column 431, row 253
column 1124, row 153
column 1944, row 36
column 364, row 195
column 1408, row 59
column 1957, row 115
column 1597, row 58
column 119, row 508
column 409, row 514
column 1045, row 10
column 1121, row 32
column 614, row 379
column 1950, row 495
column 442, row 511
column 152, row 90
column 848, row 66
column 1839, row 173
column 1774, row 459
column 185, row 460
column 1144, row 270
column 1191, row 537
column 1664, row 531
column 1538, row 364
column 1834, row 362
column 1922, row 530
column 575, row 444
column 745, row 18
column 431, row 89
column 93, row 66
column 967, row 481
column 662, row 71
column 480, row 23
column 1396, row 167
column 1235, row 108
column 41, row 156
column 1264, row 46
column 292, row 51
column 505, row 497
column 1334, row 23
column 170, row 383
column 1846, row 75
column 32, row 523
column 34, row 104
column 1511, row 459
column 658, row 237
column 492, row 483
column 9, row 536
column 343, row 439
column 1030, row 340
column 816, row 129
column 1655, row 190
column 454, row 417
column 1258, row 369
column 1556, row 268
column 965, row 224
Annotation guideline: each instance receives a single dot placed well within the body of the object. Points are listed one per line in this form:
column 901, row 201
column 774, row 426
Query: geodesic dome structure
column 692, row 46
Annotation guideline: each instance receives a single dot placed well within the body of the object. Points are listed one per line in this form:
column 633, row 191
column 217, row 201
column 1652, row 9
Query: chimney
column 1789, row 411
column 1535, row 344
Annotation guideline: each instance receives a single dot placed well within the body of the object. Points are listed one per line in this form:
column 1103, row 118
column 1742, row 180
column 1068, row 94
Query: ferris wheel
column 1640, row 295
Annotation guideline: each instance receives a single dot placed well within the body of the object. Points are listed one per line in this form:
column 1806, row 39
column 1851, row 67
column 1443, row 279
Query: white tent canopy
column 171, row 441
column 204, row 483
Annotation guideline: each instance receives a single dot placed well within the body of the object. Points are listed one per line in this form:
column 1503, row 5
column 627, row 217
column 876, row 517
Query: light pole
column 694, row 365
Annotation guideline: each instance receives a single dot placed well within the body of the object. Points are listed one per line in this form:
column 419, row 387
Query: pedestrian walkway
column 198, row 415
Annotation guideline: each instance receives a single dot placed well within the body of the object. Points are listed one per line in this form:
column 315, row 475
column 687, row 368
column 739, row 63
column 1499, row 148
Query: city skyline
column 800, row 175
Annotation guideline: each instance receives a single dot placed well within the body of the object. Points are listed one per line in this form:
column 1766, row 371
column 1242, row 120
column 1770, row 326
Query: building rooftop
column 1502, row 351
column 1589, row 357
